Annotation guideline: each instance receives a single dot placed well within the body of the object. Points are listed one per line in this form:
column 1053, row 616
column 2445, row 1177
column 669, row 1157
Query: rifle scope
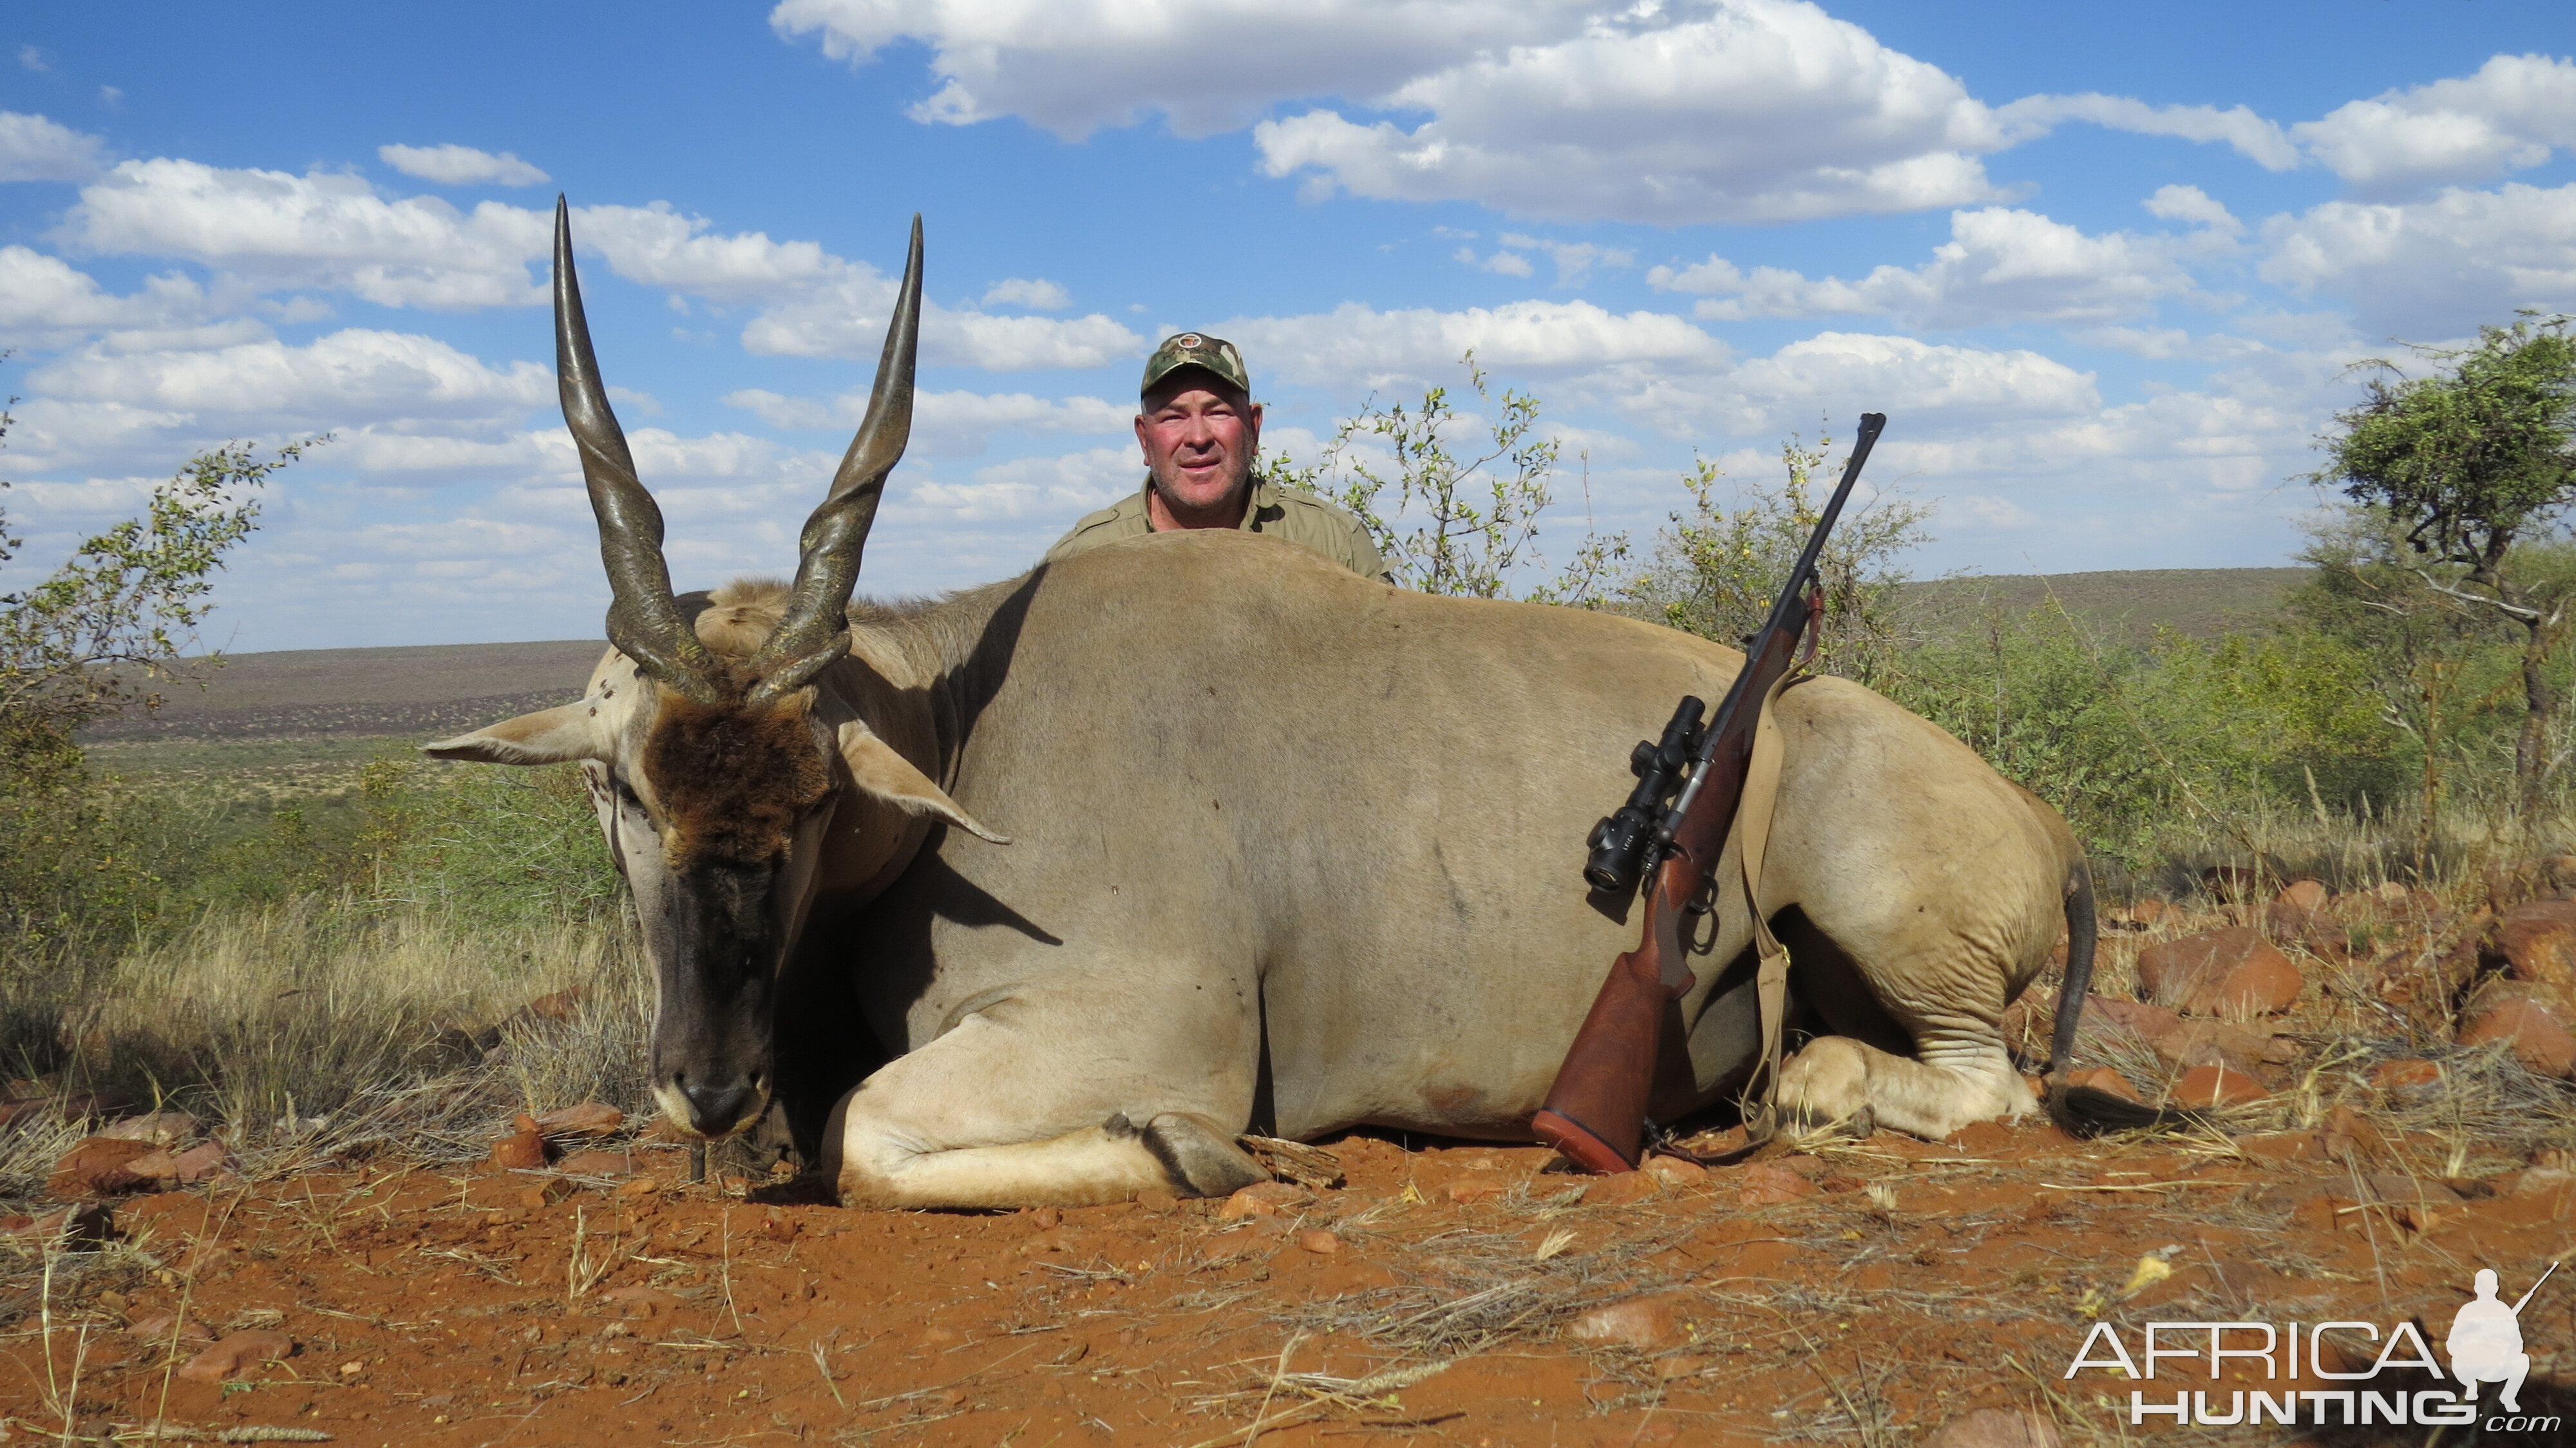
column 1619, row 842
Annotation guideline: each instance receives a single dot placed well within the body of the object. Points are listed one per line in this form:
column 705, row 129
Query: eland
column 1287, row 850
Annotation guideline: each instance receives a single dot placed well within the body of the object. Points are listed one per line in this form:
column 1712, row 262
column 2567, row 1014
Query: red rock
column 237, row 1354
column 519, row 1151
column 1675, row 1170
column 2149, row 910
column 615, row 1165
column 2302, row 894
column 1639, row 1322
column 1467, row 1191
column 2103, row 1078
column 558, row 1006
column 2534, row 1020
column 1619, row 1189
column 640, row 1301
column 1996, row 1428
column 2539, row 941
column 166, row 1169
column 169, row 1327
column 1155, row 1199
column 2404, row 1075
column 1261, row 1199
column 161, row 1128
column 2206, row 1086
column 590, row 1118
column 2232, row 972
column 1765, row 1184
column 1318, row 1241
column 98, row 1167
column 2139, row 1019
column 2211, row 1043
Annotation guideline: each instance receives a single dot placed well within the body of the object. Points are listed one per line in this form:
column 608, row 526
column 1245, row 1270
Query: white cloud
column 1058, row 489
column 1501, row 263
column 345, row 379
column 454, row 165
column 950, row 423
column 33, row 148
column 1036, row 294
column 2252, row 137
column 1574, row 259
column 1757, row 110
column 1984, row 510
column 2191, row 204
column 1934, row 388
column 2434, row 268
column 32, row 58
column 847, row 318
column 1357, row 346
column 45, row 302
column 2509, row 116
column 2001, row 264
column 1075, row 66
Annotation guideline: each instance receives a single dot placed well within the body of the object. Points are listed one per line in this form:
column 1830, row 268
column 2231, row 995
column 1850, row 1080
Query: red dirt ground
column 1897, row 1286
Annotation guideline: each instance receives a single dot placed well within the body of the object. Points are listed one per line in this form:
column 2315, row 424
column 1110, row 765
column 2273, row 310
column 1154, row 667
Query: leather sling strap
column 1771, row 980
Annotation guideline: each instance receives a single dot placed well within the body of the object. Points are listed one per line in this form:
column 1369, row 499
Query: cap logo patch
column 1186, row 339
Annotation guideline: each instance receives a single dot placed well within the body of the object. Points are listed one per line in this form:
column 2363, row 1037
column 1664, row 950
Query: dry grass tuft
column 1473, row 1291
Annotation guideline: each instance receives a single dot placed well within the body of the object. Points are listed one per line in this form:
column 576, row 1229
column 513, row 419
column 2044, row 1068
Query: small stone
column 1675, row 1170
column 1468, row 1191
column 1047, row 1219
column 1261, row 1199
column 2532, row 1020
column 2539, row 941
column 1996, row 1428
column 941, row 1337
column 1667, row 1369
column 589, row 1119
column 642, row 1186
column 2233, row 972
column 2404, row 1076
column 2147, row 1023
column 1318, row 1241
column 2211, row 1043
column 2303, row 894
column 237, row 1354
column 99, row 1166
column 161, row 1128
column 521, row 1150
column 1620, row 1189
column 558, row 1006
column 640, row 1301
column 1639, row 1322
column 166, row 1170
column 2216, row 1086
column 1155, row 1199
column 615, row 1165
column 2103, row 1078
column 2149, row 910
column 1766, row 1184
column 169, row 1327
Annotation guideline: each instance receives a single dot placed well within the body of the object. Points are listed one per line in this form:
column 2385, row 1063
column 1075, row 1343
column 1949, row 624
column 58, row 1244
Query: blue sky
column 2105, row 267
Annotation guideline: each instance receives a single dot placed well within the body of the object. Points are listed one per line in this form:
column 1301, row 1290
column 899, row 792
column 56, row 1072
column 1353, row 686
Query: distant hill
column 309, row 693
column 2199, row 602
column 449, row 688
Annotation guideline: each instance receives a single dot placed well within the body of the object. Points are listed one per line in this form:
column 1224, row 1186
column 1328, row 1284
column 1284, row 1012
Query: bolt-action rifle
column 1671, row 832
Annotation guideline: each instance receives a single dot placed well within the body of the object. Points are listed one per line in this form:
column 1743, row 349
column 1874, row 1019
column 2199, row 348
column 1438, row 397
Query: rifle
column 1596, row 1112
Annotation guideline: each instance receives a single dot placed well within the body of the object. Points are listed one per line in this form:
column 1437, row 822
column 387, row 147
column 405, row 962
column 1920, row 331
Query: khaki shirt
column 1288, row 514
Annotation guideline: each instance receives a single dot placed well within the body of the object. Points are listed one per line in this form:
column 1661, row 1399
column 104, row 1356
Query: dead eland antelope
column 1294, row 850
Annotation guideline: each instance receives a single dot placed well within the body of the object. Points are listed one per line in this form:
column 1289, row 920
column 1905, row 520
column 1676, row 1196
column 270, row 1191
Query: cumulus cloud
column 2001, row 264
column 1574, row 259
column 2432, row 268
column 2258, row 140
column 33, row 148
column 1756, row 110
column 1076, row 66
column 1501, row 263
column 1937, row 388
column 454, row 165
column 949, row 423
column 45, row 302
column 2509, row 116
column 1036, row 294
column 1358, row 346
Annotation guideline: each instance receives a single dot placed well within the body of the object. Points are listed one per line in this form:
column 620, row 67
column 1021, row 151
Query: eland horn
column 815, row 629
column 644, row 620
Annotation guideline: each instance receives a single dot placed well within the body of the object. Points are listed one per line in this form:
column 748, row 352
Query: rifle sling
column 1753, row 835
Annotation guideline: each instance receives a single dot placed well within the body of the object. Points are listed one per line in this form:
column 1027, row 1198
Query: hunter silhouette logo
column 2486, row 1341
column 2485, row 1346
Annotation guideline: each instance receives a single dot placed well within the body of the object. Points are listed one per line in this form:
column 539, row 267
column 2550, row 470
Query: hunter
column 1201, row 431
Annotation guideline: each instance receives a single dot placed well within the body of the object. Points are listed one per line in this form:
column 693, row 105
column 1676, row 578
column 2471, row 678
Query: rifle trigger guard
column 1703, row 899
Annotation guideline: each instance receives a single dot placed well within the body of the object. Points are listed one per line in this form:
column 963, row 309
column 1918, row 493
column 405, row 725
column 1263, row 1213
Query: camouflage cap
column 1196, row 349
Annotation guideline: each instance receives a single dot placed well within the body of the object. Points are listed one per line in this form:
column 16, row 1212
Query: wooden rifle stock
column 1596, row 1112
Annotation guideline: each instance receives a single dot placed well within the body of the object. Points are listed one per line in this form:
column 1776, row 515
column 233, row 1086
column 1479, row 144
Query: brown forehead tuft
column 733, row 779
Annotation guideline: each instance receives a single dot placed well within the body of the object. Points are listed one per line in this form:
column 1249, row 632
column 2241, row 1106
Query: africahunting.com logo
column 2484, row 1346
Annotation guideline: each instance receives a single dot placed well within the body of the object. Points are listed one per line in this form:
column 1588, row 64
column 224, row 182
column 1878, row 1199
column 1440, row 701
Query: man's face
column 1199, row 438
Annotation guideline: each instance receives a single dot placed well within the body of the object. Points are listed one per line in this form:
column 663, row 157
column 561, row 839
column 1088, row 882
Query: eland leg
column 1026, row 1104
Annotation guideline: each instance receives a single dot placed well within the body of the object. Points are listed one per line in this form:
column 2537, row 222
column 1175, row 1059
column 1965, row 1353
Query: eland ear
column 549, row 736
column 881, row 772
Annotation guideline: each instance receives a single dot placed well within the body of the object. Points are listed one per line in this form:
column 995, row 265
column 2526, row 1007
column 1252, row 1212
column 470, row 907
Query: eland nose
column 715, row 1109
